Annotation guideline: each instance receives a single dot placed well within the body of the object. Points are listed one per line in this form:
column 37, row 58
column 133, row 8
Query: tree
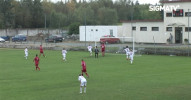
column 107, row 16
column 7, row 14
column 74, row 28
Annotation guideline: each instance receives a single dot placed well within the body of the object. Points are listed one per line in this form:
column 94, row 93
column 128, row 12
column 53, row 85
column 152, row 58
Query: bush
column 74, row 28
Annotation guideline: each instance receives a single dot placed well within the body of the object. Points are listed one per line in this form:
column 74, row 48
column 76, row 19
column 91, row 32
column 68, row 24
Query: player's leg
column 64, row 57
column 87, row 74
column 131, row 59
column 43, row 54
column 81, row 85
column 90, row 52
column 82, row 72
column 80, row 89
column 85, row 83
column 37, row 67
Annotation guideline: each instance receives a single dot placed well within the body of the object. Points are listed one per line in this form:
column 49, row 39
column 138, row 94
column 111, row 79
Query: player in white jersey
column 90, row 49
column 83, row 83
column 127, row 52
column 26, row 52
column 131, row 54
column 64, row 54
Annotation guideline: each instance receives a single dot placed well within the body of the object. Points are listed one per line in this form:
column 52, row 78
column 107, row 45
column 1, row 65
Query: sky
column 140, row 1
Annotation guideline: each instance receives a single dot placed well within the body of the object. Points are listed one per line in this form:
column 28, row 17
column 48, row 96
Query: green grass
column 111, row 77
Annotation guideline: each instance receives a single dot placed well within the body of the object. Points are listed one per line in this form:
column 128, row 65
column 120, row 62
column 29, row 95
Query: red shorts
column 41, row 51
column 83, row 70
column 102, row 50
column 36, row 64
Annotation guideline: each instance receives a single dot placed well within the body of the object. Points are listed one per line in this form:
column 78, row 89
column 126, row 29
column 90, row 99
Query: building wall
column 28, row 32
column 148, row 36
column 180, row 20
column 94, row 33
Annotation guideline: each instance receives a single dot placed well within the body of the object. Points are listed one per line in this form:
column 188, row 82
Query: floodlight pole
column 189, row 14
column 132, row 35
column 85, row 27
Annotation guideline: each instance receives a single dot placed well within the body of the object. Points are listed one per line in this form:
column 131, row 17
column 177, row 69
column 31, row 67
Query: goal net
column 114, row 46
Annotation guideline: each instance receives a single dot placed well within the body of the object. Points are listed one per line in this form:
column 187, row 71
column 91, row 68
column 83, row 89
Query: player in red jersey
column 41, row 51
column 36, row 60
column 84, row 68
column 103, row 49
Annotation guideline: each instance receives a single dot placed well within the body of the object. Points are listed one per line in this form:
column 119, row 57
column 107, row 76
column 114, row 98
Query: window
column 168, row 28
column 133, row 28
column 155, row 28
column 111, row 32
column 186, row 29
column 186, row 14
column 178, row 13
column 168, row 14
column 143, row 28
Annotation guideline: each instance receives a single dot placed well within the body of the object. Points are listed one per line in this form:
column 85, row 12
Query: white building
column 174, row 27
column 94, row 33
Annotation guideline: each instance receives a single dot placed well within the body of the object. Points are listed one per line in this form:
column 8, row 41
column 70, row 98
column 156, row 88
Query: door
column 178, row 34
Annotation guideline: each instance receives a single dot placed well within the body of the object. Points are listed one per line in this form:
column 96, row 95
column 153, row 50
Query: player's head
column 82, row 60
column 63, row 48
column 126, row 46
column 80, row 75
column 36, row 55
column 96, row 46
column 40, row 45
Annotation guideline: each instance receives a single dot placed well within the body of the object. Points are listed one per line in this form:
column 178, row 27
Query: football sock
column 84, row 89
column 80, row 89
column 87, row 75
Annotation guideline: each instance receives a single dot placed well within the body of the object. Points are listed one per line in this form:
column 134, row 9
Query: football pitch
column 111, row 77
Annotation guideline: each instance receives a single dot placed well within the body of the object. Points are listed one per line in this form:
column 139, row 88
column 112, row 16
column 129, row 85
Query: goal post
column 128, row 40
column 118, row 47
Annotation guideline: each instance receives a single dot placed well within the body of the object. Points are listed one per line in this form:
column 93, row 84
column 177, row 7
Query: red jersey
column 41, row 48
column 103, row 47
column 83, row 65
column 36, row 59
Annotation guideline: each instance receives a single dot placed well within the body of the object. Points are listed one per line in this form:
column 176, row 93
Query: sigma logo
column 163, row 8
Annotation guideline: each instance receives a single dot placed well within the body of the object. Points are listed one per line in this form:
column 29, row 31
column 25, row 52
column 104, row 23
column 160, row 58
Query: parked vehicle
column 109, row 39
column 54, row 38
column 2, row 40
column 19, row 38
column 6, row 38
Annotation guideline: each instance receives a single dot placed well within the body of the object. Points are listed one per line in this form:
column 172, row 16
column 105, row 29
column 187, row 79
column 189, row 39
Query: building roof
column 174, row 1
column 147, row 20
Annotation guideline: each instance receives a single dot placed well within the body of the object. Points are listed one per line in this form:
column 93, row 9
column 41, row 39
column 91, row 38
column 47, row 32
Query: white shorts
column 26, row 54
column 90, row 50
column 83, row 83
column 64, row 55
column 127, row 56
column 131, row 57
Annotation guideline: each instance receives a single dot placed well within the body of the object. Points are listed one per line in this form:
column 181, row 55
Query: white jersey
column 127, row 51
column 64, row 52
column 26, row 51
column 82, row 79
column 89, row 48
column 131, row 53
